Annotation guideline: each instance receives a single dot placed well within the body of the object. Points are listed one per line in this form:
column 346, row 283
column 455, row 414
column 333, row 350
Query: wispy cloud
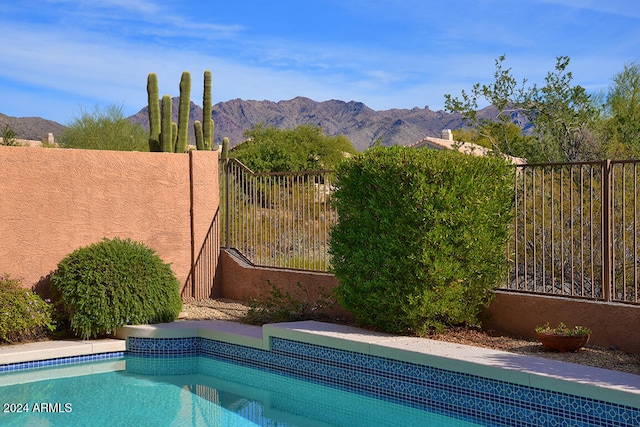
column 384, row 53
column 628, row 8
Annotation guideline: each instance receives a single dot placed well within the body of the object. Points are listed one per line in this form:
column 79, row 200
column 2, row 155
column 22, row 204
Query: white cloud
column 106, row 55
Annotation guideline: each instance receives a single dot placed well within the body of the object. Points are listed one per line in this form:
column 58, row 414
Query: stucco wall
column 241, row 281
column 612, row 324
column 514, row 313
column 55, row 201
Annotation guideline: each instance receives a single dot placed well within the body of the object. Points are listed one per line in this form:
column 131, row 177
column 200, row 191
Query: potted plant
column 562, row 338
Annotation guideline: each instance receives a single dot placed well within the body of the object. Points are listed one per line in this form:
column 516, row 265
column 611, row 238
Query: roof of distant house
column 463, row 147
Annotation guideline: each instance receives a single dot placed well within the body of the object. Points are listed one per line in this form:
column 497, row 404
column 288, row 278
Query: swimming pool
column 197, row 391
column 484, row 386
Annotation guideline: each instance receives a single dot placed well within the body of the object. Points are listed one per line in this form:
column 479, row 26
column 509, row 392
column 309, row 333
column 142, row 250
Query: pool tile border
column 60, row 361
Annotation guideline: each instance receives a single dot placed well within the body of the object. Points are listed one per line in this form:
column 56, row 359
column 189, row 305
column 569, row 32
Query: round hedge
column 112, row 283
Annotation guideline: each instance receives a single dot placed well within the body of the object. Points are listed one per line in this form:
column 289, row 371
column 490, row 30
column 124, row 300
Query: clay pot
column 562, row 343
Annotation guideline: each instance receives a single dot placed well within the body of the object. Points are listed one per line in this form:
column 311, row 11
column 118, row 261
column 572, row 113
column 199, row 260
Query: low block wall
column 239, row 280
column 612, row 324
column 513, row 313
column 54, row 201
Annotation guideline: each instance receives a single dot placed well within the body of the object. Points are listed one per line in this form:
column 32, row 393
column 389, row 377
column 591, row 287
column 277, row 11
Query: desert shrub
column 281, row 306
column 420, row 241
column 105, row 129
column 23, row 314
column 108, row 284
column 306, row 147
column 8, row 136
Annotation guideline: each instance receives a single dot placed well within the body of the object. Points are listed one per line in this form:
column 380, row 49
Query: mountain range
column 33, row 128
column 362, row 125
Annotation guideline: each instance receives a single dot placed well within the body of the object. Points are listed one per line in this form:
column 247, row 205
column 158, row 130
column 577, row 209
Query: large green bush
column 421, row 236
column 23, row 314
column 112, row 283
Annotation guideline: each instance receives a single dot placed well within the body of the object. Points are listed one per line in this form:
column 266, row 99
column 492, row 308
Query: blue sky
column 58, row 57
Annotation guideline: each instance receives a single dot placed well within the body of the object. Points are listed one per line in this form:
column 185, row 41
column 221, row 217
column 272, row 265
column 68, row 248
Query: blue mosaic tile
column 163, row 347
column 47, row 363
column 485, row 400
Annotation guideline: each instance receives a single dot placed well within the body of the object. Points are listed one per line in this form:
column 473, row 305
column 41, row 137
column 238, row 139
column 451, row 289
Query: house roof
column 463, row 147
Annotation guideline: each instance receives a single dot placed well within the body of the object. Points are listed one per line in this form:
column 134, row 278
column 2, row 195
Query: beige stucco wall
column 54, row 201
column 514, row 313
column 241, row 281
column 613, row 324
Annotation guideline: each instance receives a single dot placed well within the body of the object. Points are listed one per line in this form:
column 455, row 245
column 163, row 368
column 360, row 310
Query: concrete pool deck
column 613, row 386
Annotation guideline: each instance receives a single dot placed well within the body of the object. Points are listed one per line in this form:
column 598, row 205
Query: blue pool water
column 192, row 391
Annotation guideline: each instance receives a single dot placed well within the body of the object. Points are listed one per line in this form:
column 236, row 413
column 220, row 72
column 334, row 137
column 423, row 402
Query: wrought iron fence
column 277, row 219
column 576, row 230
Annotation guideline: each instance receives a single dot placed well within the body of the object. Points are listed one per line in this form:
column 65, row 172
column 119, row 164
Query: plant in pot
column 562, row 338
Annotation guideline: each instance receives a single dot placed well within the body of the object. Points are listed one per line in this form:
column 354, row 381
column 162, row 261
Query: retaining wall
column 613, row 324
column 239, row 280
column 513, row 313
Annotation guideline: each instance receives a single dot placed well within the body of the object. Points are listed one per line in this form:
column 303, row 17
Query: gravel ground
column 225, row 309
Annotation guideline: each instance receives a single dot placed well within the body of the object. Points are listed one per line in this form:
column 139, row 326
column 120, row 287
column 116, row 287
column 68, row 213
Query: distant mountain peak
column 362, row 125
column 31, row 128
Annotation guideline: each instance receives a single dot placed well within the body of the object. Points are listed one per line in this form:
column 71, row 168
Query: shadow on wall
column 200, row 282
column 43, row 286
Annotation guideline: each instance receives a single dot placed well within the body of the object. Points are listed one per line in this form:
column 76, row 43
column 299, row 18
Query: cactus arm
column 197, row 128
column 225, row 148
column 166, row 144
column 174, row 137
column 209, row 144
column 153, row 109
column 207, row 121
column 183, row 112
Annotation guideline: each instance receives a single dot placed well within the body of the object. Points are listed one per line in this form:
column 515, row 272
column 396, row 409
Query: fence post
column 607, row 244
column 192, row 226
column 225, row 165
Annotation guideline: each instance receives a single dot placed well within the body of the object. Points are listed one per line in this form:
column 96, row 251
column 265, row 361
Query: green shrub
column 104, row 129
column 421, row 236
column 8, row 136
column 112, row 283
column 306, row 147
column 23, row 314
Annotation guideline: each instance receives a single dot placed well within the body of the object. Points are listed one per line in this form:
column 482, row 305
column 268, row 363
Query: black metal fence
column 575, row 231
column 277, row 219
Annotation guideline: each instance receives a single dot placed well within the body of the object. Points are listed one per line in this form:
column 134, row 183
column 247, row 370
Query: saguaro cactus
column 197, row 129
column 183, row 112
column 169, row 137
column 167, row 143
column 207, row 121
column 154, row 112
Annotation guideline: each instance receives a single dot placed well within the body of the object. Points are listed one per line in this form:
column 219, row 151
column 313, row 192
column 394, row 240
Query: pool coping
column 579, row 380
column 44, row 350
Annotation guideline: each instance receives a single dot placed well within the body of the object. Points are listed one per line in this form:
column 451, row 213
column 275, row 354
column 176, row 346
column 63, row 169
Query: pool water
column 191, row 391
